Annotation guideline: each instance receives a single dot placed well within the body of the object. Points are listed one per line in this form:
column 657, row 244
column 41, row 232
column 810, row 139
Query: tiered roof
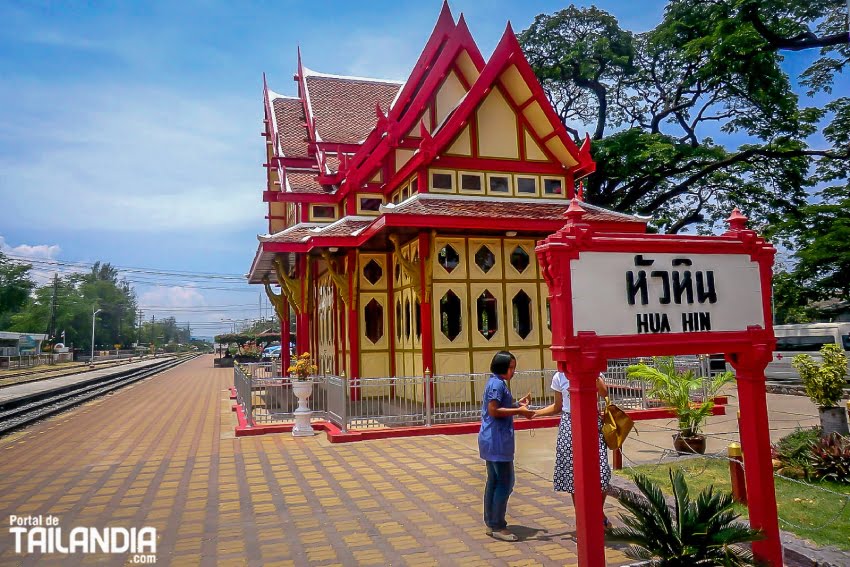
column 341, row 133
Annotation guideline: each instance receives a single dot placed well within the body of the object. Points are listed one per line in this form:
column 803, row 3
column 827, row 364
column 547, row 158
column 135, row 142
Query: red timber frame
column 582, row 355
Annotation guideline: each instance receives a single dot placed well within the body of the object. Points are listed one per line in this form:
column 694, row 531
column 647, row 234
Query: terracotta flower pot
column 693, row 444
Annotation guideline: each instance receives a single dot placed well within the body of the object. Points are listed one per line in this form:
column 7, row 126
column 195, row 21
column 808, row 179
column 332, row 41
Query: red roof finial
column 736, row 220
column 581, row 190
column 575, row 211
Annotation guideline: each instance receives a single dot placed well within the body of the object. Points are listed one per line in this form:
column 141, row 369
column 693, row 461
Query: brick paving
column 162, row 453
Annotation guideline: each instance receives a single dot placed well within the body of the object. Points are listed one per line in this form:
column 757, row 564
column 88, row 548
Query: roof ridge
column 307, row 72
column 275, row 95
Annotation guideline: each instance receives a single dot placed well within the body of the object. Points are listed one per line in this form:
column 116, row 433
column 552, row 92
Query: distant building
column 17, row 344
column 403, row 217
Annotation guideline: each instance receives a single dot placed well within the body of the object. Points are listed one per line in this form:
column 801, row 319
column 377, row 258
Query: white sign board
column 632, row 294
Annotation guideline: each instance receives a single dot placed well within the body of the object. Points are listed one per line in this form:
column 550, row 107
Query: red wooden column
column 755, row 442
column 425, row 315
column 583, row 369
column 302, row 316
column 284, row 337
column 353, row 324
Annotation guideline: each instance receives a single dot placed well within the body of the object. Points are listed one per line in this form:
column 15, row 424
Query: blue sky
column 129, row 131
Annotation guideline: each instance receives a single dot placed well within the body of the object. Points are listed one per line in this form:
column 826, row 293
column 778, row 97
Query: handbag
column 616, row 426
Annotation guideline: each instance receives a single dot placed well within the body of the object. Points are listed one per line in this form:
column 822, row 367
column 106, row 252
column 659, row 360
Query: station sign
column 659, row 293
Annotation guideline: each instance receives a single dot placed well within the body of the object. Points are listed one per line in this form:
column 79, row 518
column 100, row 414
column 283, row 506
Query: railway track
column 23, row 411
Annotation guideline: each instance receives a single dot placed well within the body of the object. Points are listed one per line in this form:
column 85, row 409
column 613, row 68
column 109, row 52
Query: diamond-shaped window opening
column 448, row 258
column 488, row 322
column 417, row 317
column 372, row 271
column 520, row 259
column 450, row 315
column 522, row 314
column 407, row 318
column 398, row 319
column 485, row 259
column 374, row 321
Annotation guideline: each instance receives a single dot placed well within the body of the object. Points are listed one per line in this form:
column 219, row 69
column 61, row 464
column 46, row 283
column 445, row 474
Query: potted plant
column 678, row 389
column 704, row 531
column 300, row 373
column 824, row 384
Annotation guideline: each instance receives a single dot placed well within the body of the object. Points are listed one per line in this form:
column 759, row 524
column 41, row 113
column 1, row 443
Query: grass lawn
column 805, row 511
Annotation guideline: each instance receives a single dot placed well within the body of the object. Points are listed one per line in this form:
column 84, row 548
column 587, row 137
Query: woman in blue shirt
column 496, row 442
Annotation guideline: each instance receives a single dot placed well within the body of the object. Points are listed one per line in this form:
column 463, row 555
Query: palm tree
column 699, row 532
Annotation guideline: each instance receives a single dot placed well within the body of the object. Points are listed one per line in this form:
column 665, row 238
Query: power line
column 129, row 269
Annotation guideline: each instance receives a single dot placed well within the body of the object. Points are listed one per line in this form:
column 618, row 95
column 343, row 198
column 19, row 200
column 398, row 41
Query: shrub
column 676, row 389
column 791, row 454
column 830, row 458
column 824, row 383
column 704, row 531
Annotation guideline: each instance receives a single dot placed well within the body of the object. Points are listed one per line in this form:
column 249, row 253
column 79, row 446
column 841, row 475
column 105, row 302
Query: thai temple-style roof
column 343, row 139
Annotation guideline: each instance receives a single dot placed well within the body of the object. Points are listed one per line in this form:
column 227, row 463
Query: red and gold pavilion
column 403, row 217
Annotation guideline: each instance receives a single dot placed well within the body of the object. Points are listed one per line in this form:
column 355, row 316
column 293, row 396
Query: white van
column 807, row 338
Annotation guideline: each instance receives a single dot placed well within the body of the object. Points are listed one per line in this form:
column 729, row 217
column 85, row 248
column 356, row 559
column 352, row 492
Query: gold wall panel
column 451, row 391
column 530, row 272
column 381, row 260
column 459, row 272
column 495, row 246
column 383, row 342
column 533, row 338
column 441, row 341
column 497, row 339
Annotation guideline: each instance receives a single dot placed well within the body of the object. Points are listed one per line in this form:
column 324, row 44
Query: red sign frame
column 583, row 355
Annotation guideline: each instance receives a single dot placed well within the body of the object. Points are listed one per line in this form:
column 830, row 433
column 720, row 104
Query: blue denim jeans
column 500, row 484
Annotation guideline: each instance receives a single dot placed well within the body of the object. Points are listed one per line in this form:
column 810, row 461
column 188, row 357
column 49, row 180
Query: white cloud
column 172, row 296
column 39, row 251
column 41, row 275
column 122, row 158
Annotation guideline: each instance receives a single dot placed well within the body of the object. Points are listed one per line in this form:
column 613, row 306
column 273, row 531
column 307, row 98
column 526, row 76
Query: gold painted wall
column 374, row 312
column 487, row 297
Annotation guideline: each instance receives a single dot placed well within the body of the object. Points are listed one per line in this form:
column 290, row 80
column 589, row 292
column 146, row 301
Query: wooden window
column 553, row 186
column 370, row 204
column 323, row 212
column 443, row 181
column 471, row 182
column 526, row 185
column 499, row 184
column 405, row 192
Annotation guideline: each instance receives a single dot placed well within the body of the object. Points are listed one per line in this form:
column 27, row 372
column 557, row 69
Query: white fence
column 405, row 401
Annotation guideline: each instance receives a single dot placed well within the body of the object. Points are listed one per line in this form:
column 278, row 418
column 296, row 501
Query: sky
column 130, row 131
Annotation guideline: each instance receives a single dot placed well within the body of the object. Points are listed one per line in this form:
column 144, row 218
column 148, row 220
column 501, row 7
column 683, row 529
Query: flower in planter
column 303, row 367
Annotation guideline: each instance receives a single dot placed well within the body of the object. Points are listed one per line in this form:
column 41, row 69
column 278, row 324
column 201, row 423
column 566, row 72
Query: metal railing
column 408, row 401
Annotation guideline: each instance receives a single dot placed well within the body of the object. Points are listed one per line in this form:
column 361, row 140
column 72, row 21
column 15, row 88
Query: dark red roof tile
column 505, row 208
column 344, row 108
column 291, row 132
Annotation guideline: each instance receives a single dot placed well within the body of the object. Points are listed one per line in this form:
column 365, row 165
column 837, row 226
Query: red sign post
column 618, row 295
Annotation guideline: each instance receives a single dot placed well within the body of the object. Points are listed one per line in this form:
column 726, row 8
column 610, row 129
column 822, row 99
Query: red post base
column 736, row 473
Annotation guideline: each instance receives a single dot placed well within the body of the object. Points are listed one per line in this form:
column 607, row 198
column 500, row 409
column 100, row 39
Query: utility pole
column 51, row 326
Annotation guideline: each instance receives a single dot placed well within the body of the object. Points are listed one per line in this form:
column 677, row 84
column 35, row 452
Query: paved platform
column 162, row 453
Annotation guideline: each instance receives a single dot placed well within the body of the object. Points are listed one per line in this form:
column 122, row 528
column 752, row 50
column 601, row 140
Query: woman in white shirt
column 563, row 478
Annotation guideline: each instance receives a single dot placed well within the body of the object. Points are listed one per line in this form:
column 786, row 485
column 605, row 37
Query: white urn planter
column 302, row 389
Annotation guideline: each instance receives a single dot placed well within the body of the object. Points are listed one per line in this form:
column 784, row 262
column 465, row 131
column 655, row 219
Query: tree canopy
column 699, row 115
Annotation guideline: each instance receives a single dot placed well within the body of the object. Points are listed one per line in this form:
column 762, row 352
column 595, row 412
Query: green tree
column 653, row 100
column 15, row 288
column 77, row 295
